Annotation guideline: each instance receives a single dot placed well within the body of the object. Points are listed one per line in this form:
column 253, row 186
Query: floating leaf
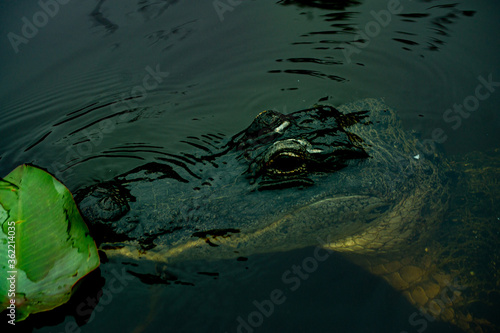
column 53, row 248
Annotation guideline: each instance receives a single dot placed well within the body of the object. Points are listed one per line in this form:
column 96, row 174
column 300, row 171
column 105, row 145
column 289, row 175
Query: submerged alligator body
column 349, row 179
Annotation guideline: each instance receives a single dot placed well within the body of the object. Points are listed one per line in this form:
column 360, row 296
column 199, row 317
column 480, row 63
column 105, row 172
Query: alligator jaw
column 352, row 223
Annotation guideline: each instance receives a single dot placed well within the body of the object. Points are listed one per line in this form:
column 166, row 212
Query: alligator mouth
column 354, row 223
column 344, row 210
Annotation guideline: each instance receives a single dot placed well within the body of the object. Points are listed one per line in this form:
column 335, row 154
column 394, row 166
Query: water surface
column 105, row 86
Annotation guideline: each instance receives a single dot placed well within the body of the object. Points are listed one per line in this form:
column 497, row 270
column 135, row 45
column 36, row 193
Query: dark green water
column 78, row 97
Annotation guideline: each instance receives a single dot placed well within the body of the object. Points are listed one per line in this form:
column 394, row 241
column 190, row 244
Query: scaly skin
column 382, row 205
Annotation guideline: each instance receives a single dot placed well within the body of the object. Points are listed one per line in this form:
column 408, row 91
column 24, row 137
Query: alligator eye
column 286, row 163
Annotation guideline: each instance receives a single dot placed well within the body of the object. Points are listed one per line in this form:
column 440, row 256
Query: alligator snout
column 102, row 205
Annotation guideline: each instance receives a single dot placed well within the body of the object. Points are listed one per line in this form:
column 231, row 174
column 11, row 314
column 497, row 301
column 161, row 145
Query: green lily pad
column 41, row 224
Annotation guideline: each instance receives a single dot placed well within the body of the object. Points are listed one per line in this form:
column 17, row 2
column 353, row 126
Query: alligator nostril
column 104, row 202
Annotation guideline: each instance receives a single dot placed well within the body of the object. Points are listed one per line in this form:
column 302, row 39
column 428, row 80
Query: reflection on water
column 76, row 100
column 325, row 4
column 347, row 34
column 99, row 18
column 206, row 58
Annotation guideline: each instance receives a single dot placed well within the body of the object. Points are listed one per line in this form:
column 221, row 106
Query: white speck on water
column 416, row 156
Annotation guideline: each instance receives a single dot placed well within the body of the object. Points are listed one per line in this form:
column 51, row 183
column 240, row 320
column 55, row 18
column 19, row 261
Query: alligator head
column 346, row 179
column 350, row 174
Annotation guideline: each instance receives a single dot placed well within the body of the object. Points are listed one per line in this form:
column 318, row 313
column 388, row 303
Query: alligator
column 347, row 179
